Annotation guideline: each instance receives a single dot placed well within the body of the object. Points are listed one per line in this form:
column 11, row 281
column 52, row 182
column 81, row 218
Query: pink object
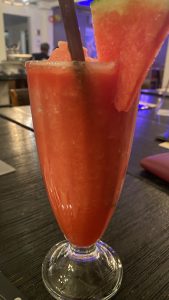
column 158, row 165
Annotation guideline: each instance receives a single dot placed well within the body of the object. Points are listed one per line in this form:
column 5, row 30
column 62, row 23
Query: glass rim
column 48, row 63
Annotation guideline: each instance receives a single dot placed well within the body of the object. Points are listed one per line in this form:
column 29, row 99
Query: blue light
column 85, row 2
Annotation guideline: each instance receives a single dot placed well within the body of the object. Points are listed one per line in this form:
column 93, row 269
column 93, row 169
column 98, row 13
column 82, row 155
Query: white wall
column 47, row 28
column 38, row 20
column 166, row 69
column 2, row 38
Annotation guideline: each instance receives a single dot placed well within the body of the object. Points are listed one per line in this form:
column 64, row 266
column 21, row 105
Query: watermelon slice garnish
column 129, row 32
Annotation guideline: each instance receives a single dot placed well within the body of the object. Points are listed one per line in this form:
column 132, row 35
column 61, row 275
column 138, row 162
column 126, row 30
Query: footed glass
column 84, row 144
column 93, row 272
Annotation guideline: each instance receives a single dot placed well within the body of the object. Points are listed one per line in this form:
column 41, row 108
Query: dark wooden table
column 20, row 115
column 139, row 230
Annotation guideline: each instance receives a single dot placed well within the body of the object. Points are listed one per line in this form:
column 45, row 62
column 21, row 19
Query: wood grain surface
column 20, row 115
column 138, row 231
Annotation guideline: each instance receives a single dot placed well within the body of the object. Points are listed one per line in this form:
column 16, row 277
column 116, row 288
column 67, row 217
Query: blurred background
column 31, row 29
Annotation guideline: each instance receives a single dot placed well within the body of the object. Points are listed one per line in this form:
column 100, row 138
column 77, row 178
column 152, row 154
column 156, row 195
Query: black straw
column 72, row 30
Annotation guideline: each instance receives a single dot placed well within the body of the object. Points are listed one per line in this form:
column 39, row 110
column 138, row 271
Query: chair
column 19, row 97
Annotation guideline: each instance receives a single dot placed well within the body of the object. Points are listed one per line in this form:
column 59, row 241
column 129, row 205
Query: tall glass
column 84, row 145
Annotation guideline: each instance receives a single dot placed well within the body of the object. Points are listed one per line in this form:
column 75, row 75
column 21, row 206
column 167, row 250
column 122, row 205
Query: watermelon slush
column 84, row 114
column 83, row 143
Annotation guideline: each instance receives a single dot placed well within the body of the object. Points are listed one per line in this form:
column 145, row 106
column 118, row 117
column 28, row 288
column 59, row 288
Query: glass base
column 76, row 273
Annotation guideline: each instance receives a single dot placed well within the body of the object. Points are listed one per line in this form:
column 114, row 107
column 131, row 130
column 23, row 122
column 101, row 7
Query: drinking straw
column 72, row 29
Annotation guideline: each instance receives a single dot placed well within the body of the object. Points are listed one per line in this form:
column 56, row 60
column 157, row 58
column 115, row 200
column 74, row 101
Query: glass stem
column 83, row 253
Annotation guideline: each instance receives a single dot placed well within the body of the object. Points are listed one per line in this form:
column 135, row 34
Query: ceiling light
column 17, row 2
